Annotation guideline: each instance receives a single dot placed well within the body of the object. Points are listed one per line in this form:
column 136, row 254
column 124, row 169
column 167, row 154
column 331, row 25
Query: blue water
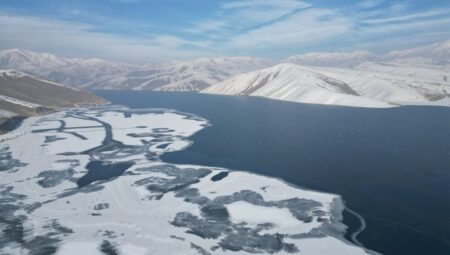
column 392, row 166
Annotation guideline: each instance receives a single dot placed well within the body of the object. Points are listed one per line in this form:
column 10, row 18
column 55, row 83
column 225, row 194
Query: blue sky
column 162, row 30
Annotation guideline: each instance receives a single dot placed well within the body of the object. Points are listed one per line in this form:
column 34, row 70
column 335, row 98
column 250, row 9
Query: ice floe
column 90, row 181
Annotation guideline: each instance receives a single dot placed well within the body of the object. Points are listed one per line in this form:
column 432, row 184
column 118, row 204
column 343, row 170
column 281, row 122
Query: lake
column 392, row 166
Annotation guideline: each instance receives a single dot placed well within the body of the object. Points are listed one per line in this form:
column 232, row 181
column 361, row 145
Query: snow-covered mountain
column 431, row 70
column 181, row 76
column 334, row 59
column 436, row 51
column 367, row 85
column 295, row 83
column 67, row 71
column 100, row 74
column 414, row 76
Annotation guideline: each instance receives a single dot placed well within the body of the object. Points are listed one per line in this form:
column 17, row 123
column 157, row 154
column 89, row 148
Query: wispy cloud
column 309, row 26
column 408, row 17
column 238, row 16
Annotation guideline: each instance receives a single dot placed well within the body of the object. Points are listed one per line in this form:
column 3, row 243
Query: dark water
column 99, row 170
column 219, row 176
column 390, row 165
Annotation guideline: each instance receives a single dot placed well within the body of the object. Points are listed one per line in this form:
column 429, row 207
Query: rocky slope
column 22, row 95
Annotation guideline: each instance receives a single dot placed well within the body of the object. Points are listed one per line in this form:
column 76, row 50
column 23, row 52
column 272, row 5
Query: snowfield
column 90, row 181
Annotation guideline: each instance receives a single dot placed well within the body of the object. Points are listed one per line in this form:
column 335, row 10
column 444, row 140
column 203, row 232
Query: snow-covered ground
column 18, row 102
column 90, row 181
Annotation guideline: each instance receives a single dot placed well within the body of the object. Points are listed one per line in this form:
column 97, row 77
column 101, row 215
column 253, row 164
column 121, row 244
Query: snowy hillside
column 67, row 71
column 414, row 76
column 431, row 70
column 335, row 59
column 367, row 85
column 439, row 51
column 295, row 83
column 181, row 76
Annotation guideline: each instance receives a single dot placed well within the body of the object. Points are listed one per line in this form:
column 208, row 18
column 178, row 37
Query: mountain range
column 180, row 76
column 360, row 78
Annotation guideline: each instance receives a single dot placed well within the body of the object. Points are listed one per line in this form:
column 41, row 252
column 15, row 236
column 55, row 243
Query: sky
column 140, row 31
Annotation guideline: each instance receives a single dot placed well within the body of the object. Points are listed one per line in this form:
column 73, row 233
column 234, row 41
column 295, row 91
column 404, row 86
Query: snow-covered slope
column 292, row 82
column 371, row 84
column 67, row 71
column 431, row 70
column 334, row 59
column 439, row 51
column 181, row 76
column 389, row 87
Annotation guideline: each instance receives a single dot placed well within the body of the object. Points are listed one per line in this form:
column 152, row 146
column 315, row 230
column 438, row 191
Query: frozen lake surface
column 91, row 181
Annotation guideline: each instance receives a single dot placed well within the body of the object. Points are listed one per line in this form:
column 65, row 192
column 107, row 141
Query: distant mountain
column 419, row 75
column 295, row 83
column 68, row 71
column 22, row 94
column 436, row 51
column 100, row 74
column 181, row 76
column 367, row 85
column 333, row 59
column 421, row 69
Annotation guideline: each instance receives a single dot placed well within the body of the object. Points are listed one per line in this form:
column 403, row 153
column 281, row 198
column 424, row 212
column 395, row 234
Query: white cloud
column 78, row 39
